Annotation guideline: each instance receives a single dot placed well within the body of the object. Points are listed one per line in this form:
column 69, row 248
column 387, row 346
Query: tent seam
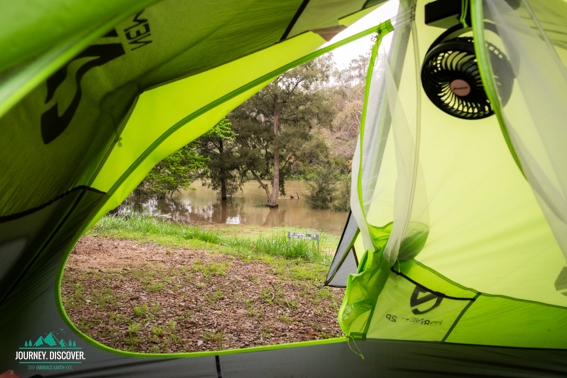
column 460, row 316
column 433, row 291
column 293, row 21
column 11, row 217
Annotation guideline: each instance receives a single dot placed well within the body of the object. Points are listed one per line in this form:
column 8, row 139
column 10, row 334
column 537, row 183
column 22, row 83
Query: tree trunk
column 223, row 189
column 222, row 174
column 274, row 198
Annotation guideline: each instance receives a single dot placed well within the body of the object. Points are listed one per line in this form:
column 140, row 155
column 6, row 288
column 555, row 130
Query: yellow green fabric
column 362, row 292
column 483, row 266
column 533, row 117
column 509, row 322
column 409, row 311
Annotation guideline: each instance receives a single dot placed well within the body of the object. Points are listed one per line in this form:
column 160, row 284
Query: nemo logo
column 423, row 300
column 56, row 119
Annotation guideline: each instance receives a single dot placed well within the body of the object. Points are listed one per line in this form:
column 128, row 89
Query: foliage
column 348, row 99
column 223, row 159
column 329, row 175
column 330, row 172
column 355, row 74
column 300, row 125
column 175, row 172
column 275, row 124
column 197, row 159
column 342, row 198
column 321, row 187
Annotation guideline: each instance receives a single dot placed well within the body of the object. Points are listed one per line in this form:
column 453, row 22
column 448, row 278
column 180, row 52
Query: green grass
column 287, row 259
column 272, row 242
column 141, row 310
column 134, row 327
column 286, row 319
column 214, row 297
column 210, row 270
column 133, row 226
column 217, row 337
column 79, row 291
column 158, row 286
column 158, row 331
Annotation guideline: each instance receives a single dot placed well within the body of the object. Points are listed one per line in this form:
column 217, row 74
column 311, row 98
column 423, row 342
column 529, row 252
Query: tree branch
column 293, row 89
column 287, row 161
column 264, row 186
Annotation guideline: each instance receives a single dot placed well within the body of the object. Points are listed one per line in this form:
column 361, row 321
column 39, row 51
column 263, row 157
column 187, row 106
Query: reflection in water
column 245, row 207
column 275, row 217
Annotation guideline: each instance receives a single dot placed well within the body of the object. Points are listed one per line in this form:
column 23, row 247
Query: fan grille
column 454, row 62
column 451, row 78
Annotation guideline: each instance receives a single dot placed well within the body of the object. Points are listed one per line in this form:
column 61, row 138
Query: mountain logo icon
column 50, row 341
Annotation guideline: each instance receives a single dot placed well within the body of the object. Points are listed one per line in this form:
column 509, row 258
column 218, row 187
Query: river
column 248, row 206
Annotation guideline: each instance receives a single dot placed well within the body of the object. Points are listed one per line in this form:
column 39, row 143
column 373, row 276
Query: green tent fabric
column 461, row 246
column 458, row 226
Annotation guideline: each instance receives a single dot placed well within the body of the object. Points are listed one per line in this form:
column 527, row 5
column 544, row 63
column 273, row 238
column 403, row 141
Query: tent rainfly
column 454, row 255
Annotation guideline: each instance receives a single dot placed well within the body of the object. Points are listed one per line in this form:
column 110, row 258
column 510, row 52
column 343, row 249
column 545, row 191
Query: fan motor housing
column 460, row 87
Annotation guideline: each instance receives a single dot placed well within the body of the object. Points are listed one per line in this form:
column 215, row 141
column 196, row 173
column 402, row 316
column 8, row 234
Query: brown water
column 203, row 205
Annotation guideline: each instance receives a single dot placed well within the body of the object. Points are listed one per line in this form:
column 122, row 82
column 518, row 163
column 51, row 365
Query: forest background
column 303, row 125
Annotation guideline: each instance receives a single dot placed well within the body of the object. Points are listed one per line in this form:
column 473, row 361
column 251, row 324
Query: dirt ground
column 151, row 298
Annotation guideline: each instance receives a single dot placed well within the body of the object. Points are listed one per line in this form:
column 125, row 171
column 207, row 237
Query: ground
column 145, row 297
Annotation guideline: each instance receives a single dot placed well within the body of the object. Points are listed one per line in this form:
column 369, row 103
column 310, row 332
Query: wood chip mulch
column 151, row 298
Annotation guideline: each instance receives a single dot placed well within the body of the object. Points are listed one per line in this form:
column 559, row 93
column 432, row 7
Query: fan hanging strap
column 464, row 13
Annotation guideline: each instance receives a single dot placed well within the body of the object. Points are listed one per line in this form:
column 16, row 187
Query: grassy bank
column 239, row 239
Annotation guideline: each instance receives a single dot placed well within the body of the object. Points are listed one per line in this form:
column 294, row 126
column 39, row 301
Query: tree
column 327, row 178
column 275, row 124
column 329, row 185
column 218, row 147
column 342, row 198
column 175, row 172
column 322, row 182
column 348, row 99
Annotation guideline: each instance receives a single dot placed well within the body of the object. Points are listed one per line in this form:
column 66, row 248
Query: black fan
column 451, row 78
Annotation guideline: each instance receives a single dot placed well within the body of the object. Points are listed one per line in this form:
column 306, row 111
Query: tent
column 454, row 256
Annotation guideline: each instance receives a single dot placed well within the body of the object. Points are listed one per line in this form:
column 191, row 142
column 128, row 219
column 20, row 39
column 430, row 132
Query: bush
column 322, row 187
column 342, row 199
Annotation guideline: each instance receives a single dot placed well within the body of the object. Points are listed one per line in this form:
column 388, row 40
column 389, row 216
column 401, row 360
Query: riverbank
column 147, row 285
column 227, row 238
